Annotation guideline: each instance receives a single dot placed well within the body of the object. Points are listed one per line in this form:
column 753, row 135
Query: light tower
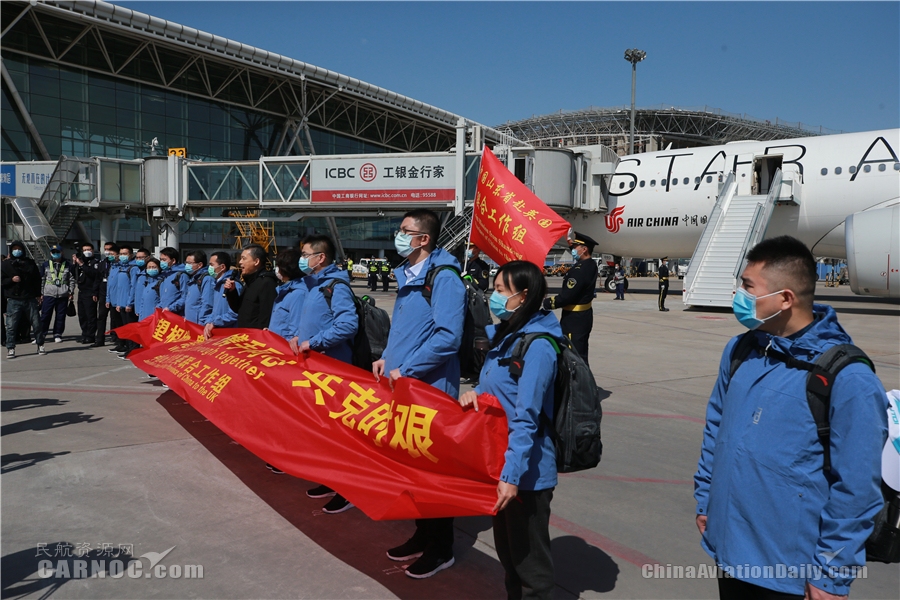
column 634, row 56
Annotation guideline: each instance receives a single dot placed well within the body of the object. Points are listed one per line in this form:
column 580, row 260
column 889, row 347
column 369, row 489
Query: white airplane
column 847, row 190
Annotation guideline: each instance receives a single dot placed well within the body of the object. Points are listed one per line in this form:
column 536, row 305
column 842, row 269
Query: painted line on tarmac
column 629, row 479
column 25, row 386
column 656, row 416
column 602, row 542
column 100, row 374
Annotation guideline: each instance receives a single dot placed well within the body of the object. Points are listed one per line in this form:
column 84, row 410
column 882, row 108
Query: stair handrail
column 715, row 217
column 761, row 217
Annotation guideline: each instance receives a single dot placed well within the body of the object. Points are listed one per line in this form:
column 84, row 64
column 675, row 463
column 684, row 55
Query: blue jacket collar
column 825, row 332
column 438, row 258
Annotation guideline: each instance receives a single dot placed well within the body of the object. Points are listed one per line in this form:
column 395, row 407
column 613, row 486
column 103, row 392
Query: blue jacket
column 173, row 289
column 760, row 479
column 198, row 298
column 425, row 339
column 221, row 314
column 146, row 294
column 530, row 456
column 119, row 286
column 285, row 319
column 329, row 329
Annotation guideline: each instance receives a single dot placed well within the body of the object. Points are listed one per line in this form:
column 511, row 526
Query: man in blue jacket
column 120, row 294
column 198, row 299
column 174, row 284
column 774, row 521
column 423, row 344
column 220, row 314
column 326, row 325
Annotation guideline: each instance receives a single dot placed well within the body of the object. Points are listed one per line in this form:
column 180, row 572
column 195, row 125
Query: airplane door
column 743, row 174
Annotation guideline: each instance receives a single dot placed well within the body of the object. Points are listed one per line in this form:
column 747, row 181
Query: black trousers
column 384, row 282
column 102, row 314
column 577, row 327
column 87, row 315
column 663, row 292
column 522, row 540
column 373, row 281
column 735, row 589
column 436, row 534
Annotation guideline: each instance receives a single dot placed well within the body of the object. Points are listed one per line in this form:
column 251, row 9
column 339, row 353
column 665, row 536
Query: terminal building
column 173, row 136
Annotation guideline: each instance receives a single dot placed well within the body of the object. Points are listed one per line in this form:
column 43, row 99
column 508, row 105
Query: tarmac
column 101, row 464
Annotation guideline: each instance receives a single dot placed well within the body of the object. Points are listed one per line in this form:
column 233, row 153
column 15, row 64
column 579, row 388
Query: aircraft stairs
column 736, row 224
column 456, row 230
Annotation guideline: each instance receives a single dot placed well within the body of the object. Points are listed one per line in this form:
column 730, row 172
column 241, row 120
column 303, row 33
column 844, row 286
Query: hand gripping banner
column 510, row 222
column 406, row 453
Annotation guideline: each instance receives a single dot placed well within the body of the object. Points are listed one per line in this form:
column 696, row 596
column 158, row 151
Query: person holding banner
column 522, row 519
column 147, row 288
column 423, row 344
column 221, row 314
column 291, row 295
column 198, row 299
column 328, row 324
column 577, row 295
column 173, row 290
column 254, row 306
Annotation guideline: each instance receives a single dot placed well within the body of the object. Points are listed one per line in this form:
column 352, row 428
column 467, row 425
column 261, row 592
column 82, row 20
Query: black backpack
column 884, row 543
column 575, row 428
column 475, row 342
column 373, row 327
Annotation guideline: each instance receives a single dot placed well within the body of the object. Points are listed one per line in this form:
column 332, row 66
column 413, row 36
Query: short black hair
column 88, row 244
column 428, row 222
column 125, row 247
column 199, row 256
column 320, row 243
column 144, row 250
column 169, row 252
column 788, row 264
column 257, row 252
column 152, row 259
column 288, row 262
column 521, row 275
column 111, row 246
column 223, row 258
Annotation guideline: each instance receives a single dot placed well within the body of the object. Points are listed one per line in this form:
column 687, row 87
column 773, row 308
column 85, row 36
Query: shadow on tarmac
column 582, row 567
column 48, row 422
column 14, row 462
column 11, row 405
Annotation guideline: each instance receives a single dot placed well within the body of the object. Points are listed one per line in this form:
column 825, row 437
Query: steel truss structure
column 115, row 41
column 655, row 128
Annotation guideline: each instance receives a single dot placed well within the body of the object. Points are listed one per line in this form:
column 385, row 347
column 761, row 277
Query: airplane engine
column 873, row 251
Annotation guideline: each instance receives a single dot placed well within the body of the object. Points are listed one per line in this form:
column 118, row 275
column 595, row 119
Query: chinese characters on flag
column 510, row 222
column 410, row 452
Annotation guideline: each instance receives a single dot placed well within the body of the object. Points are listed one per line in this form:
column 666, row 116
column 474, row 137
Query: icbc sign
column 418, row 177
column 367, row 172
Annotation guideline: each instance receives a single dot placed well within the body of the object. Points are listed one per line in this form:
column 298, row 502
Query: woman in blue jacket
column 146, row 289
column 522, row 520
column 285, row 319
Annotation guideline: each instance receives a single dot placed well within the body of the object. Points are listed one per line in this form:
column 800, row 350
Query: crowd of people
column 759, row 474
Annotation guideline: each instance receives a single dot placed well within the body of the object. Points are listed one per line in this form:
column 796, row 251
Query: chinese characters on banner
column 510, row 222
column 410, row 452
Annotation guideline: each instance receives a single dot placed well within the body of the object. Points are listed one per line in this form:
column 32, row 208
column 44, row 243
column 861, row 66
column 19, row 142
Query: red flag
column 510, row 222
column 402, row 454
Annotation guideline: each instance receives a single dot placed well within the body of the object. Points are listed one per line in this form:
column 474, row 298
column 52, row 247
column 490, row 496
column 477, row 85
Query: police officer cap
column 55, row 248
column 583, row 240
column 664, row 258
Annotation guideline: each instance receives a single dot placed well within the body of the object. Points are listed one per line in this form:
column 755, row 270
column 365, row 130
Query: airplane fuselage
column 659, row 201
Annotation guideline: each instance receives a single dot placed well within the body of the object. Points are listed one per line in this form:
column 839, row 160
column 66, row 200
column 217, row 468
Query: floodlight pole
column 634, row 56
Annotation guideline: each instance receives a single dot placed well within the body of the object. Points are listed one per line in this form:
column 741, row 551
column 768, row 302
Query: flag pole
column 468, row 241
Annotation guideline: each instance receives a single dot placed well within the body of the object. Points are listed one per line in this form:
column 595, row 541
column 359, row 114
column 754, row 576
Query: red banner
column 510, row 222
column 410, row 452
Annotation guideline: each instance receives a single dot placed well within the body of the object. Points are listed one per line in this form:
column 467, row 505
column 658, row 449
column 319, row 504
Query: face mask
column 744, row 305
column 55, row 255
column 277, row 272
column 211, row 270
column 189, row 268
column 140, row 262
column 110, row 257
column 498, row 305
column 469, row 254
column 152, row 272
column 88, row 254
column 575, row 253
column 403, row 243
column 164, row 265
column 17, row 253
column 123, row 258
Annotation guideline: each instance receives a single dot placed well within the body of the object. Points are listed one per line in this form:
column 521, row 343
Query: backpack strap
column 516, row 361
column 742, row 350
column 328, row 290
column 428, row 288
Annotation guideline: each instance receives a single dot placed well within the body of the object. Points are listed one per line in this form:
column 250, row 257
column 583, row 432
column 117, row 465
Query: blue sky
column 829, row 64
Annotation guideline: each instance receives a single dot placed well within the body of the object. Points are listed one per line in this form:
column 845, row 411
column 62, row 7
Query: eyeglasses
column 412, row 233
column 305, row 255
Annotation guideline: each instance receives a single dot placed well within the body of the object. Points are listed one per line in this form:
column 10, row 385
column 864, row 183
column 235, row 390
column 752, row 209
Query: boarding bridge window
column 853, row 169
column 824, row 171
column 838, row 170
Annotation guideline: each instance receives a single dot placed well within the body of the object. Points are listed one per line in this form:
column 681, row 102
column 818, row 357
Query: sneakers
column 407, row 551
column 114, row 349
column 11, row 353
column 41, row 350
column 57, row 340
column 33, row 342
column 274, row 469
column 321, row 491
column 336, row 505
column 123, row 355
column 428, row 565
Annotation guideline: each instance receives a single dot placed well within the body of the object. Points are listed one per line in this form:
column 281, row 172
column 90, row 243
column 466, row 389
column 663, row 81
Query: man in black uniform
column 385, row 275
column 88, row 275
column 578, row 291
column 110, row 254
column 663, row 274
column 477, row 269
column 373, row 275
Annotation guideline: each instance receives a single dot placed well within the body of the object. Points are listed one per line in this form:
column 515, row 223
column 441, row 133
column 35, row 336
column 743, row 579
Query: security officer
column 578, row 291
column 88, row 274
column 477, row 269
column 373, row 274
column 110, row 256
column 385, row 275
column 663, row 274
